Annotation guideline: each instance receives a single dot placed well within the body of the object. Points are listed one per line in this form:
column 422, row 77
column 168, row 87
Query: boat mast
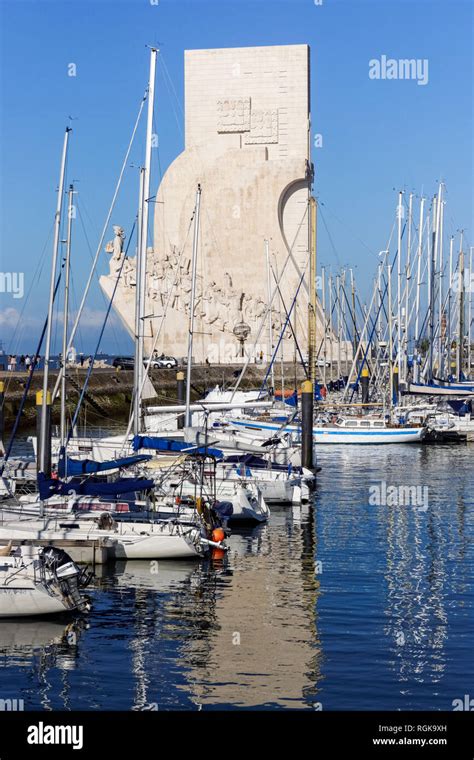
column 338, row 291
column 406, row 325
column 343, row 314
column 139, row 311
column 449, row 329
column 418, row 293
column 70, row 216
column 399, row 280
column 47, row 353
column 439, row 236
column 270, row 315
column 329, row 325
column 469, row 313
column 312, row 304
column 323, row 285
column 142, row 246
column 354, row 338
column 390, row 337
column 460, row 341
column 431, row 307
column 187, row 418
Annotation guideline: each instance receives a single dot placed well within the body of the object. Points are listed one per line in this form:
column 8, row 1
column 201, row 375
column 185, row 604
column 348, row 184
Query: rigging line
column 115, row 337
column 97, row 276
column 280, row 338
column 328, row 324
column 158, row 333
column 365, row 356
column 158, row 159
column 171, row 84
column 180, row 128
column 329, row 236
column 104, row 230
column 27, row 385
column 345, row 225
column 264, row 318
column 289, row 322
column 91, row 363
column 85, row 209
column 20, row 326
column 74, row 301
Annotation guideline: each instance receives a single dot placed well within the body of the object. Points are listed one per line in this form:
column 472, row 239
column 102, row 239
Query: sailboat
column 131, row 540
column 40, row 582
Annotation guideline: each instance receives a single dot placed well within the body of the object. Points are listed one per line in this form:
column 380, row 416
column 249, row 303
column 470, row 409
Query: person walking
column 27, row 362
column 14, row 363
column 9, row 365
column 81, row 359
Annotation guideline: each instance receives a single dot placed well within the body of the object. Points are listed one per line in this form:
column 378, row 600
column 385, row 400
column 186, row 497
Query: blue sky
column 378, row 136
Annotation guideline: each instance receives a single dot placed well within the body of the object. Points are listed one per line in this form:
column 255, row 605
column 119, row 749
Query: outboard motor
column 68, row 577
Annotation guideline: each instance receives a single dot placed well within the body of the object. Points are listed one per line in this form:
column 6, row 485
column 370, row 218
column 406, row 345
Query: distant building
column 247, row 137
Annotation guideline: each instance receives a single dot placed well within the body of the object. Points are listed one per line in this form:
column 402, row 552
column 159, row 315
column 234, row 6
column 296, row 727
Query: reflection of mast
column 138, row 645
column 416, row 579
column 44, row 646
column 258, row 644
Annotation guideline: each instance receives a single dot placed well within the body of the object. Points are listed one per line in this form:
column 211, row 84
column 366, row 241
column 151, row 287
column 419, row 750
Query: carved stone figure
column 115, row 247
column 129, row 273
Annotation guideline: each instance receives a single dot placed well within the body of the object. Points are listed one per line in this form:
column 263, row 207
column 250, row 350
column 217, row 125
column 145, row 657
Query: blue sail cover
column 85, row 466
column 49, row 487
column 460, row 406
column 257, row 463
column 170, row 445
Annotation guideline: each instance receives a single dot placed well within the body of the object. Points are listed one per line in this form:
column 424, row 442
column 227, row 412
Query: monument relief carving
column 233, row 115
column 263, row 127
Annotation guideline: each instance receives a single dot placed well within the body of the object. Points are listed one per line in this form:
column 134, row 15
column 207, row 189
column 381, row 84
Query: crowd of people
column 23, row 363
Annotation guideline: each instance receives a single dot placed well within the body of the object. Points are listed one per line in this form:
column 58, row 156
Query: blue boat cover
column 50, row 487
column 169, row 444
column 85, row 466
column 460, row 407
column 224, row 509
column 258, row 463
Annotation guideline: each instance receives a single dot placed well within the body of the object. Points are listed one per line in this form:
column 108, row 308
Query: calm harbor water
column 341, row 604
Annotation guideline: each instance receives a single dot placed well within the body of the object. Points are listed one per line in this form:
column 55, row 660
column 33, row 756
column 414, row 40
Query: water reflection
column 415, row 569
column 339, row 603
column 42, row 646
column 261, row 647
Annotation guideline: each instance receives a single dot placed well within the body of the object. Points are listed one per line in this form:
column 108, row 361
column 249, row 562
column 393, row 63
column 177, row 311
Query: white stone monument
column 247, row 136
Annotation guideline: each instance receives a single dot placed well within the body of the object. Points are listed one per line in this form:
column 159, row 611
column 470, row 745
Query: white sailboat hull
column 335, row 434
column 23, row 600
column 131, row 540
column 25, row 591
column 418, row 389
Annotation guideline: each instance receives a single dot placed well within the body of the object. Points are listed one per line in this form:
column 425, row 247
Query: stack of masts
column 417, row 327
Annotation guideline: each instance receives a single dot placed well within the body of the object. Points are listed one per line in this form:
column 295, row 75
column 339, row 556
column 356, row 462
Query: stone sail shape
column 247, row 136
